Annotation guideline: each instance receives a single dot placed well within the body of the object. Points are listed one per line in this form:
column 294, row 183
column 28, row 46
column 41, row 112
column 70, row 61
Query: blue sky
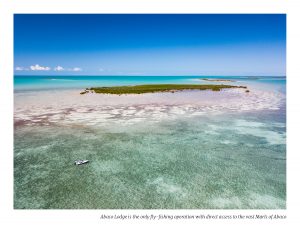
column 107, row 44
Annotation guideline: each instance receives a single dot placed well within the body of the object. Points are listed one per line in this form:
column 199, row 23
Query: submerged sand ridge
column 225, row 161
column 184, row 150
column 67, row 106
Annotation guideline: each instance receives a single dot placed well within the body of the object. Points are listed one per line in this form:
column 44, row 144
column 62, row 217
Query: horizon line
column 156, row 75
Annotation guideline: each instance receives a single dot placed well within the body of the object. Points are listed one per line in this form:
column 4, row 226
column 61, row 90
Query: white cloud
column 20, row 69
column 39, row 68
column 101, row 69
column 59, row 68
column 76, row 69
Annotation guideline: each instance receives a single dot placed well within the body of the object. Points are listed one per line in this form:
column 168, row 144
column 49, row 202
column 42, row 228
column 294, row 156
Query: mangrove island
column 139, row 89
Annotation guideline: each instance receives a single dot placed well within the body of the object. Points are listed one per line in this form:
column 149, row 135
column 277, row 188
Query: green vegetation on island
column 139, row 89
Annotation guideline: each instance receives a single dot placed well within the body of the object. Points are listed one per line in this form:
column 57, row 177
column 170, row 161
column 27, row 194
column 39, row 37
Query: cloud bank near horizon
column 38, row 67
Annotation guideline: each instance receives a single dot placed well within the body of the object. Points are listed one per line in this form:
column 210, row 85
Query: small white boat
column 79, row 162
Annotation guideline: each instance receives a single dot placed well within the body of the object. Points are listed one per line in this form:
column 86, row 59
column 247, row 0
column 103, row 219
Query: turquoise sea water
column 226, row 160
column 67, row 82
